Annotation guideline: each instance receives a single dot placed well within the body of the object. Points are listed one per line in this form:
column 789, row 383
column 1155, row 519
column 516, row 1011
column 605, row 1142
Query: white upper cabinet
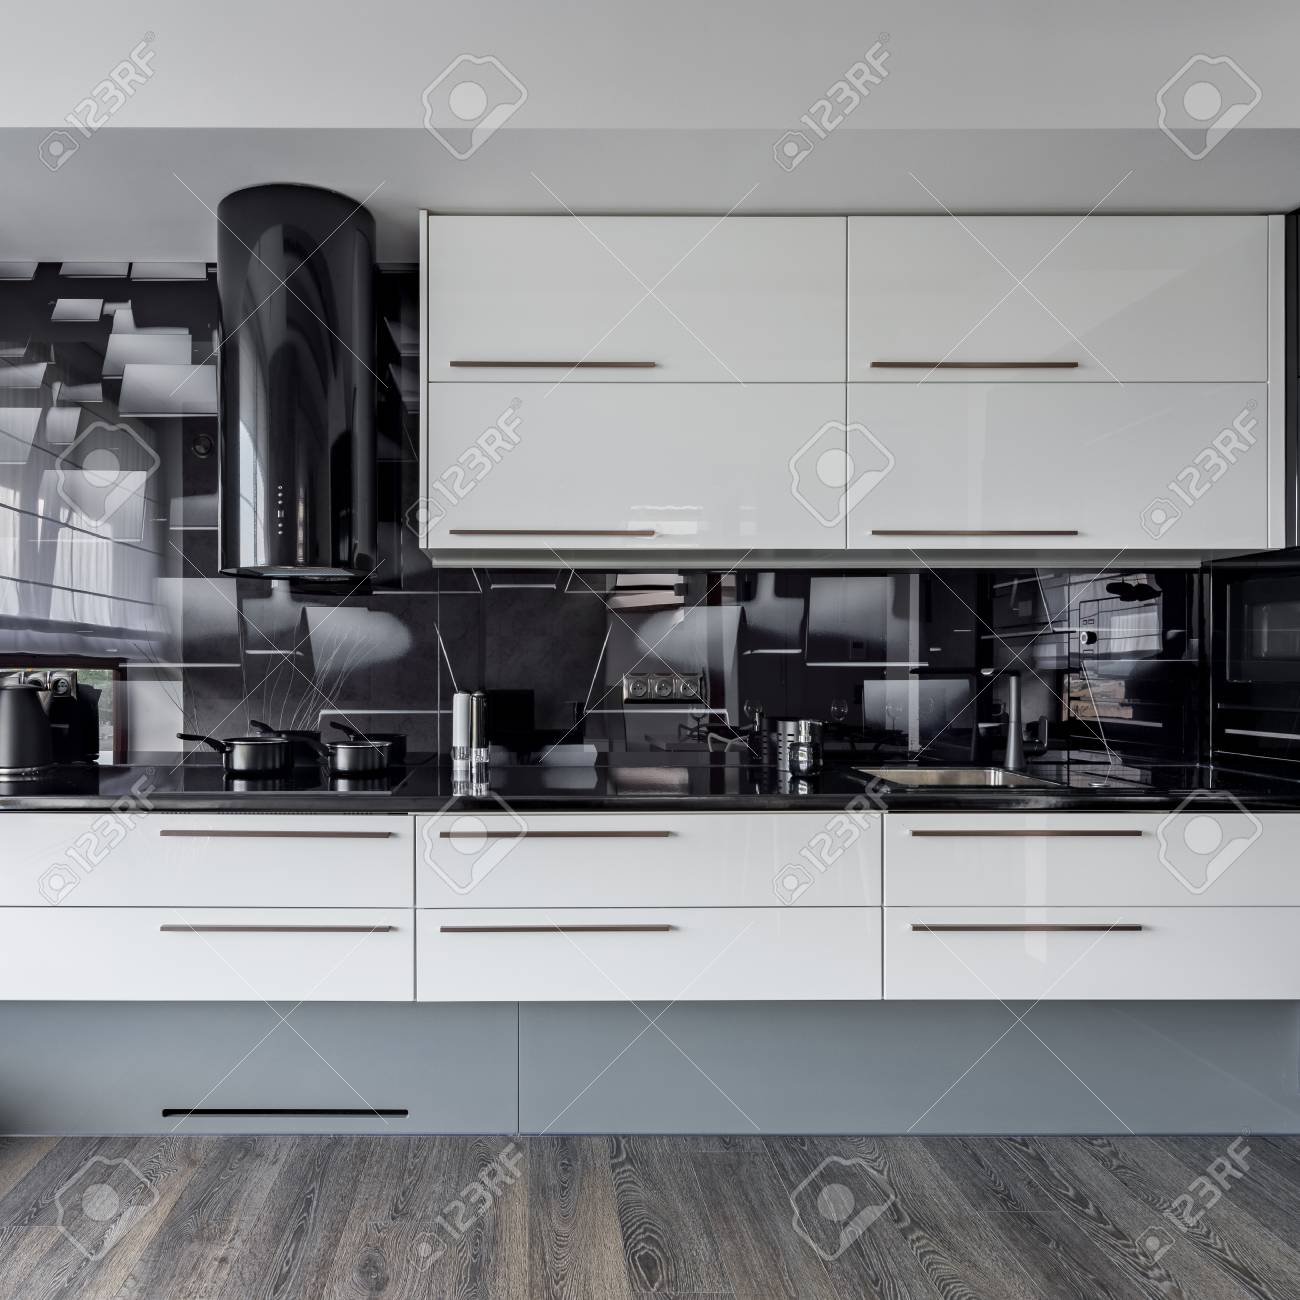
column 636, row 299
column 1096, row 299
column 558, row 467
column 862, row 385
column 1063, row 467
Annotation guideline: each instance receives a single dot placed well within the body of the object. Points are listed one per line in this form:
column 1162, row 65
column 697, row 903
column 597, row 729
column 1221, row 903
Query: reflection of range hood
column 295, row 278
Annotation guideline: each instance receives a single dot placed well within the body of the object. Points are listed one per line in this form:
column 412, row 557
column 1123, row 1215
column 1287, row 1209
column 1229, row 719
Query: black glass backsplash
column 910, row 662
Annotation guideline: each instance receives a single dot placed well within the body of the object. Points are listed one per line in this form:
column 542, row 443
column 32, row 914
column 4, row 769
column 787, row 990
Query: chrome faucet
column 1017, row 750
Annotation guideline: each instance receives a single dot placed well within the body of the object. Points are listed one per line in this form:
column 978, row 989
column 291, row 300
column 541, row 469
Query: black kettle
column 26, row 741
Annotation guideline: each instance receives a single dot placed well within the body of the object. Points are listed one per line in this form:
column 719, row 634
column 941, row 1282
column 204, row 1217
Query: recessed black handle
column 170, row 1112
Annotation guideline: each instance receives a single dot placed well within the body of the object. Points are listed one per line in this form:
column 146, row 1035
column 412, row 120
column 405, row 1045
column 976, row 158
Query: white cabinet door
column 613, row 467
column 671, row 954
column 1198, row 856
column 1103, row 298
column 134, row 858
column 756, row 299
column 1084, row 466
column 726, row 859
column 161, row 954
column 1066, row 953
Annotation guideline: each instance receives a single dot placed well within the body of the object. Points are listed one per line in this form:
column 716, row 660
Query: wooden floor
column 178, row 1218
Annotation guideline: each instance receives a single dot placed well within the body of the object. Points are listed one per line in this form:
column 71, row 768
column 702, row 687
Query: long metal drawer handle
column 552, row 365
column 975, row 532
column 277, row 929
column 1017, row 834
column 554, row 835
column 551, row 532
column 555, row 929
column 974, row 365
column 277, row 835
column 1027, row 929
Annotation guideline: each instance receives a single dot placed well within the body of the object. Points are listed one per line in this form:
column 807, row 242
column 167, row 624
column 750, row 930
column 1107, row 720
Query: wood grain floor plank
column 489, row 1194
column 1058, row 1258
column 763, row 1256
column 875, row 1263
column 968, row 1256
column 191, row 1252
column 1281, row 1160
column 1266, row 1193
column 668, row 1244
column 111, row 1213
column 377, row 1254
column 30, row 1199
column 1223, row 1235
column 278, row 1251
column 1119, row 1223
column 18, row 1155
column 575, row 1243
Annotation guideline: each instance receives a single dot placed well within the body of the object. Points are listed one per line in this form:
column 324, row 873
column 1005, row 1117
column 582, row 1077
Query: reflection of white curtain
column 51, row 573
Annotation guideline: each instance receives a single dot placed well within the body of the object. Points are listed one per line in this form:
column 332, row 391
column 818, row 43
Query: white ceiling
column 673, row 64
column 1015, row 105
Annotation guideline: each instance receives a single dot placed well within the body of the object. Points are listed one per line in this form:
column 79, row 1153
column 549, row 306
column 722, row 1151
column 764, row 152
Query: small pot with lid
column 354, row 757
column 395, row 739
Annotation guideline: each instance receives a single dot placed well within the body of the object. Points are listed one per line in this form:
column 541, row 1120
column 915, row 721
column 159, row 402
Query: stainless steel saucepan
column 354, row 757
column 247, row 755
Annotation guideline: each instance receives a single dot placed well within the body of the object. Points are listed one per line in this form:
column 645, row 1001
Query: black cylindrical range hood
column 295, row 279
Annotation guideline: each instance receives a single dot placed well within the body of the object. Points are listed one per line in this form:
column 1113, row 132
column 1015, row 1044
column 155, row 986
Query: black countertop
column 648, row 781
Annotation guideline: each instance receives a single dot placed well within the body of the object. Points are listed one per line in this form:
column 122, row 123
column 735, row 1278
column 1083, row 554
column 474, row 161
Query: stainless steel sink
column 988, row 777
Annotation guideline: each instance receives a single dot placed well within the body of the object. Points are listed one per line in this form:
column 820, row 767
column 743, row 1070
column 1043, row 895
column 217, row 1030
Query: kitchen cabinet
column 1057, row 385
column 604, row 467
column 1187, row 904
column 648, row 954
column 163, row 954
column 635, row 299
column 157, row 859
column 1104, row 299
column 1064, row 953
column 1068, row 467
column 246, row 1067
column 1228, row 858
column 727, row 859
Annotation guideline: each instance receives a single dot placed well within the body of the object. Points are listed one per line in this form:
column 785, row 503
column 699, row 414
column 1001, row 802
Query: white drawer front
column 649, row 860
column 1062, row 859
column 745, row 298
column 1086, row 953
column 982, row 466
column 1124, row 298
column 158, row 954
column 601, row 467
column 158, row 859
column 664, row 954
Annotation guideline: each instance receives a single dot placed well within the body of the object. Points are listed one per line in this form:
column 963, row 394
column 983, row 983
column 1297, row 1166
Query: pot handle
column 219, row 745
column 350, row 732
column 264, row 728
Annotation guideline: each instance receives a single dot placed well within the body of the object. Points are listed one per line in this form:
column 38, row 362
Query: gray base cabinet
column 923, row 1067
column 70, row 1068
column 772, row 1067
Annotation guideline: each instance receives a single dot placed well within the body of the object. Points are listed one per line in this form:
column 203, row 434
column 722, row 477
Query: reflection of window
column 1273, row 630
column 102, row 680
